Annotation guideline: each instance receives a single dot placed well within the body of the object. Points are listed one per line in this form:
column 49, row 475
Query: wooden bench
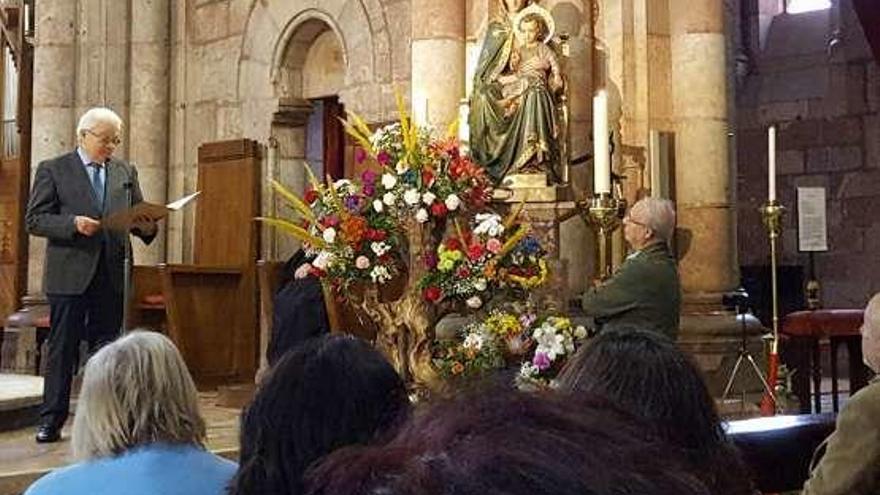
column 777, row 450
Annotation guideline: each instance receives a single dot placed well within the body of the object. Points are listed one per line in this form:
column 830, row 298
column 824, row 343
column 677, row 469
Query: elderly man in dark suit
column 851, row 461
column 645, row 291
column 83, row 276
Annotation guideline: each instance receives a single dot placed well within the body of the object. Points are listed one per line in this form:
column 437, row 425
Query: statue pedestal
column 543, row 207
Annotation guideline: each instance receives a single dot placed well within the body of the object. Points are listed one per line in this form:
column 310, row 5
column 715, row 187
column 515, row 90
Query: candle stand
column 772, row 213
column 604, row 215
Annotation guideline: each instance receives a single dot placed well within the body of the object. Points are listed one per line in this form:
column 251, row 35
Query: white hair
column 96, row 115
column 659, row 216
column 135, row 391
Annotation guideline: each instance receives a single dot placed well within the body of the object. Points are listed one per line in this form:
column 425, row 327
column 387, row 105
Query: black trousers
column 94, row 316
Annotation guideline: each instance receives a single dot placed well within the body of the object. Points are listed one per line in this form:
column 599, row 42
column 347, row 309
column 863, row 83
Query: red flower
column 383, row 158
column 453, row 244
column 376, row 235
column 475, row 251
column 310, row 196
column 433, row 294
column 463, row 272
column 427, row 177
column 438, row 209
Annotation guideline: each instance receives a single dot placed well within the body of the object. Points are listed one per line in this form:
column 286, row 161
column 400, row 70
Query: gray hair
column 96, row 115
column 136, row 390
column 659, row 216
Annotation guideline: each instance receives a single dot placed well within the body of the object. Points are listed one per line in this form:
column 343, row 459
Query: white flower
column 549, row 342
column 378, row 206
column 480, row 284
column 380, row 274
column 488, row 224
column 473, row 341
column 389, row 181
column 322, row 260
column 428, row 198
column 452, row 202
column 389, row 199
column 580, row 332
column 380, row 248
column 528, row 370
column 411, row 197
column 422, row 215
column 401, row 167
column 474, row 302
column 329, row 235
column 342, row 185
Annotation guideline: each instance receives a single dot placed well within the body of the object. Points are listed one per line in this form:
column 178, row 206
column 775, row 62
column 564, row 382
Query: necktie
column 97, row 185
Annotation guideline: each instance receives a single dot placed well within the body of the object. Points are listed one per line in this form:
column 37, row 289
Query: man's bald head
column 871, row 334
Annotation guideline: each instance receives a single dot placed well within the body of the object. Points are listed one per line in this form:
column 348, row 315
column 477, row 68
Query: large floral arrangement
column 474, row 265
column 539, row 345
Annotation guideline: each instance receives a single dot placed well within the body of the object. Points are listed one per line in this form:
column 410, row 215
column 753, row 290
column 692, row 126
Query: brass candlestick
column 772, row 213
column 605, row 215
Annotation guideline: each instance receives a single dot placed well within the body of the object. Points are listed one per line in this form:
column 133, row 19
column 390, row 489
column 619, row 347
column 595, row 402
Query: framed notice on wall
column 812, row 221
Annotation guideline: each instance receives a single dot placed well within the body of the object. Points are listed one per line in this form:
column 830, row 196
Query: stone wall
column 826, row 103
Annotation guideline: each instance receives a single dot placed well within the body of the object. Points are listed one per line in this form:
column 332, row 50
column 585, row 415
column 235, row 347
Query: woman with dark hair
column 507, row 442
column 645, row 374
column 329, row 392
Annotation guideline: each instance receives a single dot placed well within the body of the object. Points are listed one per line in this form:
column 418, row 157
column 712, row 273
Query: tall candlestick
column 771, row 163
column 601, row 162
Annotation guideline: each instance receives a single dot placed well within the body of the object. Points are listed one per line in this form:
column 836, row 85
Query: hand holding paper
column 144, row 215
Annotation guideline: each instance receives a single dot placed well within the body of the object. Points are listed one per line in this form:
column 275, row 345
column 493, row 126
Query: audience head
column 502, row 441
column 871, row 334
column 136, row 391
column 650, row 220
column 645, row 374
column 329, row 392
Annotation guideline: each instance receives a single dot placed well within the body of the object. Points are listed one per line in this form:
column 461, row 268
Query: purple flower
column 369, row 189
column 431, row 260
column 352, row 203
column 383, row 158
column 368, row 177
column 541, row 361
column 360, row 155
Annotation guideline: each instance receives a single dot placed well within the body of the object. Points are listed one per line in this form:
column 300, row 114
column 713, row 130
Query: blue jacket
column 157, row 469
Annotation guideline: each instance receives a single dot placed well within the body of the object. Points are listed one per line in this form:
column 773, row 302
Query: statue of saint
column 513, row 121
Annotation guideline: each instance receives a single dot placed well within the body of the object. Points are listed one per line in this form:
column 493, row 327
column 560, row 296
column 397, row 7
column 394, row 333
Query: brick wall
column 826, row 104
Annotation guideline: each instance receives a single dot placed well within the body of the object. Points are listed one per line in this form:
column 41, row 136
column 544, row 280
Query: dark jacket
column 643, row 293
column 61, row 191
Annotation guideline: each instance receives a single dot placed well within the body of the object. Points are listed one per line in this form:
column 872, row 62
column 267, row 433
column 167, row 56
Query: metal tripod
column 745, row 356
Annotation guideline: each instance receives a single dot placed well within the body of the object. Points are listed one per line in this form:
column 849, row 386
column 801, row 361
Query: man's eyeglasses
column 628, row 219
column 115, row 141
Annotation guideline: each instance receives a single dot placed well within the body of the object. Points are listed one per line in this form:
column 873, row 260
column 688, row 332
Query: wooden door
column 13, row 241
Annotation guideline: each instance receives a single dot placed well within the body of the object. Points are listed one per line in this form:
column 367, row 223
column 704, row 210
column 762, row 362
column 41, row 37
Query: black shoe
column 48, row 434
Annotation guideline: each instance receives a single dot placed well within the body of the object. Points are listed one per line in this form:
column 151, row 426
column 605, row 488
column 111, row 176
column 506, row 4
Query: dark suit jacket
column 644, row 292
column 61, row 191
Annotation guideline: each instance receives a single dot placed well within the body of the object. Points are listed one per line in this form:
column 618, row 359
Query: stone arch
column 360, row 27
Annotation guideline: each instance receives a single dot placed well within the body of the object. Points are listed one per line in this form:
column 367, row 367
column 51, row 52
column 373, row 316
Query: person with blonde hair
column 137, row 428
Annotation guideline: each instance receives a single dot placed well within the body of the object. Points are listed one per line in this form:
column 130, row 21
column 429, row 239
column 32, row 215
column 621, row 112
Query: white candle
column 420, row 109
column 601, row 162
column 771, row 163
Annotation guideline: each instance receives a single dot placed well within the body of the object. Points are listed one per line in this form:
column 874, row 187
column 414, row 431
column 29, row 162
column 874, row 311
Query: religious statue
column 513, row 109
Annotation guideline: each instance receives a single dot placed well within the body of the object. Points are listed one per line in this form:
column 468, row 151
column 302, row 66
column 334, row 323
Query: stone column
column 148, row 110
column 705, row 189
column 54, row 119
column 438, row 59
column 704, row 185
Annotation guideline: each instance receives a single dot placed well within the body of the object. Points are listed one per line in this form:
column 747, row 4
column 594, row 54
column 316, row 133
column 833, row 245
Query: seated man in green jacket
column 851, row 464
column 644, row 292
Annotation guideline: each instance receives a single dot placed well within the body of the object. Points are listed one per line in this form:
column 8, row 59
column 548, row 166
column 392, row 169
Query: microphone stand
column 126, row 263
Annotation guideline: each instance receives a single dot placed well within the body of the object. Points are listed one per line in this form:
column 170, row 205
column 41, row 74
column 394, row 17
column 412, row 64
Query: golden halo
column 539, row 11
